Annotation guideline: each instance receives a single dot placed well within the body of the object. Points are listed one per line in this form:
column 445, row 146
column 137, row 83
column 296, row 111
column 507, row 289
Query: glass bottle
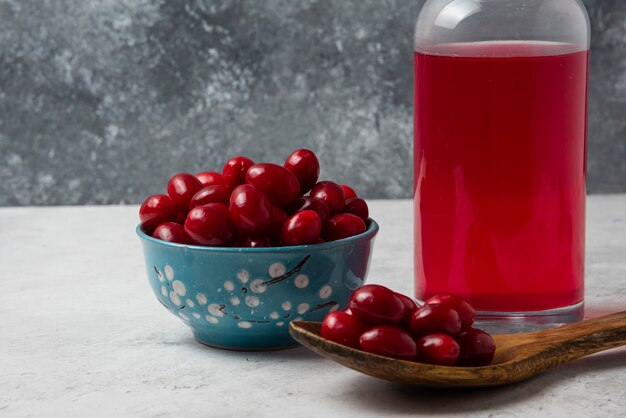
column 500, row 157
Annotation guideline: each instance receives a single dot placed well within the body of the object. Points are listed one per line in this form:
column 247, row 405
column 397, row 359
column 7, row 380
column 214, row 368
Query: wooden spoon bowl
column 517, row 356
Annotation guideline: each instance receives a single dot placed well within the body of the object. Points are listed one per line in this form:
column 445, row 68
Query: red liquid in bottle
column 500, row 168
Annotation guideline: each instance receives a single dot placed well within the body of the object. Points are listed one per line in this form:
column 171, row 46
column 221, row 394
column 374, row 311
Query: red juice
column 500, row 169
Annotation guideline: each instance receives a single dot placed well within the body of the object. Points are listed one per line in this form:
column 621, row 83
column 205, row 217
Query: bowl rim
column 370, row 232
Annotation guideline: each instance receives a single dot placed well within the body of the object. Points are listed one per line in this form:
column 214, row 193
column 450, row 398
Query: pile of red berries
column 381, row 321
column 255, row 205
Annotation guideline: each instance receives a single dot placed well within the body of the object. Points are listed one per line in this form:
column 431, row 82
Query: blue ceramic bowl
column 244, row 298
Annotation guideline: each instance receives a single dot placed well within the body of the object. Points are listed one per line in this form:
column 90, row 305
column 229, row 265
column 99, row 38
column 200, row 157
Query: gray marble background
column 101, row 101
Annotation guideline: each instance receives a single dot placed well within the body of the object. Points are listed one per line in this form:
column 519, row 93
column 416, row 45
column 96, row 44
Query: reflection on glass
column 455, row 12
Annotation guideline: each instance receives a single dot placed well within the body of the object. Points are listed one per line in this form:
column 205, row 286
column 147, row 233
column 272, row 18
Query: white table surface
column 82, row 335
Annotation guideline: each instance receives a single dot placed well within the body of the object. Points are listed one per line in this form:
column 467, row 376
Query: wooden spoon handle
column 576, row 340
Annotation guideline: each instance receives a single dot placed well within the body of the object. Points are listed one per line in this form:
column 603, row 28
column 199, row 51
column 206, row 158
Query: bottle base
column 516, row 322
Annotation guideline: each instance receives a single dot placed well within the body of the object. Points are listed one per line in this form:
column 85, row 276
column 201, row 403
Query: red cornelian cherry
column 155, row 210
column 409, row 307
column 439, row 349
column 221, row 207
column 348, row 191
column 303, row 228
column 311, row 203
column 465, row 310
column 331, row 193
column 357, row 207
column 342, row 328
column 477, row 348
column 172, row 232
column 303, row 163
column 279, row 217
column 180, row 217
column 276, row 182
column 208, row 225
column 181, row 189
column 432, row 318
column 343, row 225
column 250, row 210
column 234, row 171
column 373, row 304
column 210, row 178
column 217, row 193
column 390, row 341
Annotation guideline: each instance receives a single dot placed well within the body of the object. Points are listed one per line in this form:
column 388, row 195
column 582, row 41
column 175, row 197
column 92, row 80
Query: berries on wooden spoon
column 392, row 325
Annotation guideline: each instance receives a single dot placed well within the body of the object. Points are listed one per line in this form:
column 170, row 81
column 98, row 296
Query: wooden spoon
column 517, row 357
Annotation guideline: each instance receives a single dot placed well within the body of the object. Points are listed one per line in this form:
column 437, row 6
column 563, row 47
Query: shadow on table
column 609, row 308
column 372, row 394
column 297, row 353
